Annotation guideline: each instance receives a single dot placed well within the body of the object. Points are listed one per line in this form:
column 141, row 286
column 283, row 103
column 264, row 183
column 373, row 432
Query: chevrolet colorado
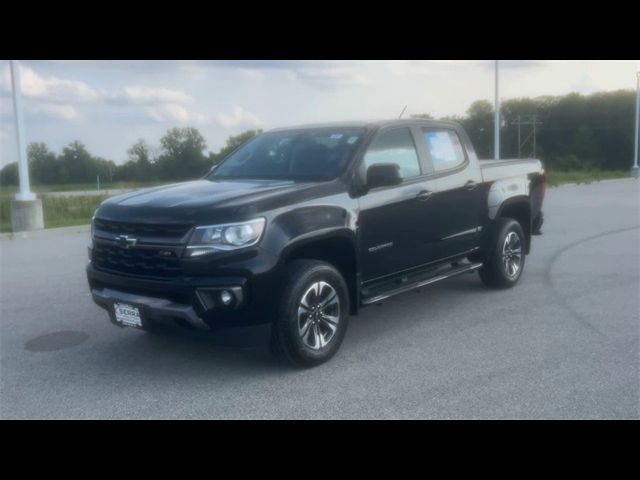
column 301, row 227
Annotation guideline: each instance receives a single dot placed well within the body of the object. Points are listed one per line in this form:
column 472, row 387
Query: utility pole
column 634, row 170
column 496, row 128
column 518, row 123
column 23, row 167
column 26, row 209
column 534, row 135
column 527, row 120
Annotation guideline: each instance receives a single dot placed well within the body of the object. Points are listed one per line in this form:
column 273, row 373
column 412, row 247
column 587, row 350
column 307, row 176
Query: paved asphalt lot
column 562, row 344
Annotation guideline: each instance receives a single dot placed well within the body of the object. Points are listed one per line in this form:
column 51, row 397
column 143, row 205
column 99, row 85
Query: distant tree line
column 574, row 132
column 181, row 155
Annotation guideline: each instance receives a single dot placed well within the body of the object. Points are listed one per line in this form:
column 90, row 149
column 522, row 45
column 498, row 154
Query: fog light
column 226, row 297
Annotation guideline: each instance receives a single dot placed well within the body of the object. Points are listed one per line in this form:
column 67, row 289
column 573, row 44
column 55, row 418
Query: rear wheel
column 505, row 262
column 313, row 314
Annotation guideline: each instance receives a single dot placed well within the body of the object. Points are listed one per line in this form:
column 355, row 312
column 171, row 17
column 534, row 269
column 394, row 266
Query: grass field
column 58, row 211
column 74, row 187
column 556, row 177
column 70, row 211
column 64, row 211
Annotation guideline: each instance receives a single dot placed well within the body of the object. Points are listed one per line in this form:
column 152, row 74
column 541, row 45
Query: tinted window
column 445, row 149
column 394, row 146
column 305, row 154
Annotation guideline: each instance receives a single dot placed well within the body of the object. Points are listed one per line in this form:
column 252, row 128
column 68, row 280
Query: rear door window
column 444, row 148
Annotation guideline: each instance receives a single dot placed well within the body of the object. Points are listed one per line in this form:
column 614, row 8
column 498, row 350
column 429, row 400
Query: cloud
column 4, row 133
column 332, row 77
column 259, row 64
column 57, row 97
column 55, row 89
column 147, row 95
column 6, row 108
column 238, row 116
column 252, row 73
column 426, row 67
column 51, row 88
column 64, row 112
column 323, row 73
column 50, row 109
column 173, row 112
column 405, row 68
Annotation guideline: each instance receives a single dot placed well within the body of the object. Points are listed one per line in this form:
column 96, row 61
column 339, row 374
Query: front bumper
column 188, row 301
column 151, row 308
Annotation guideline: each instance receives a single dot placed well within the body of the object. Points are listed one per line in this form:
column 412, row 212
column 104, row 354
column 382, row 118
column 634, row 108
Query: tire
column 299, row 333
column 505, row 261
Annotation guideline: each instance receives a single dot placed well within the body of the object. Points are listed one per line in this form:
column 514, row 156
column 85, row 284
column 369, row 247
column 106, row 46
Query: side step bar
column 406, row 288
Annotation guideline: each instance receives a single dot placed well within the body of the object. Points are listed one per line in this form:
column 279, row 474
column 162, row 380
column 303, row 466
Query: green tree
column 141, row 164
column 232, row 143
column 182, row 154
column 44, row 167
column 9, row 174
column 77, row 164
column 142, row 153
column 106, row 169
column 576, row 131
column 479, row 126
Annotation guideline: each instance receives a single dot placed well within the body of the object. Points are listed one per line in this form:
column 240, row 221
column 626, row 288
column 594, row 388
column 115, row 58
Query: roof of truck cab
column 369, row 124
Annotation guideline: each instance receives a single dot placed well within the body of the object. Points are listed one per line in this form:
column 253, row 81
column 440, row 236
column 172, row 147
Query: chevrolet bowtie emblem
column 125, row 241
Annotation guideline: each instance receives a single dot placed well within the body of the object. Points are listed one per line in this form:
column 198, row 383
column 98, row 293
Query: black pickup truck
column 302, row 227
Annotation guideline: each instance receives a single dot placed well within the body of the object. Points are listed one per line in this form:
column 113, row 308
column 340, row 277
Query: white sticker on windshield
column 336, row 136
column 352, row 140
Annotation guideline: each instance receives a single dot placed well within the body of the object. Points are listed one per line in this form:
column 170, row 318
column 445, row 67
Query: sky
column 109, row 105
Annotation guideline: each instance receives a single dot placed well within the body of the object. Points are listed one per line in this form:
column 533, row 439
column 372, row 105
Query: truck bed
column 493, row 170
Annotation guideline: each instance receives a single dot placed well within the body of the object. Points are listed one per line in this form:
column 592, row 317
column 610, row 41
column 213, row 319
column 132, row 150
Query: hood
column 205, row 200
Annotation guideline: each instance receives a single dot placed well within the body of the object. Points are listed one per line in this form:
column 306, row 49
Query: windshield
column 305, row 154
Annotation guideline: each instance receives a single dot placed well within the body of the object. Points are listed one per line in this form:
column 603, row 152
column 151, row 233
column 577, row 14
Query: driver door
column 393, row 231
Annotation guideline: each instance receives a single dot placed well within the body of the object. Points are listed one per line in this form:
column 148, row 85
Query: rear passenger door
column 456, row 207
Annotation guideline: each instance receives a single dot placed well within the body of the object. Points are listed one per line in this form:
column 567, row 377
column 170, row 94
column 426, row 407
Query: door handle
column 470, row 185
column 424, row 195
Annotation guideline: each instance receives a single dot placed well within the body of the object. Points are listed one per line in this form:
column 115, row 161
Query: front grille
column 141, row 230
column 161, row 262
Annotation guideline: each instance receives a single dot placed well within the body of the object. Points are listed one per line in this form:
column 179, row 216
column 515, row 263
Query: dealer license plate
column 127, row 315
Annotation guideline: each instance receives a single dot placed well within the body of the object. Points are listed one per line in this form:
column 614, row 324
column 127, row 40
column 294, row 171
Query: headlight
column 229, row 236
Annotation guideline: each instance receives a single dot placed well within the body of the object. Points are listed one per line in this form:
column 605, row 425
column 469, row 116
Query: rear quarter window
column 444, row 148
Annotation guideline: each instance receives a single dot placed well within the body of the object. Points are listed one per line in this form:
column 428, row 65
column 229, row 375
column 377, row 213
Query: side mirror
column 383, row 175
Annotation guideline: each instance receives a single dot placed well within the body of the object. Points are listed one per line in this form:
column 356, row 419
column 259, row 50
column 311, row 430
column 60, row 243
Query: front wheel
column 313, row 314
column 505, row 262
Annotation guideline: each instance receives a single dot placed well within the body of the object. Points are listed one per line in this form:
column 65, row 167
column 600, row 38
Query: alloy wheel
column 318, row 315
column 512, row 254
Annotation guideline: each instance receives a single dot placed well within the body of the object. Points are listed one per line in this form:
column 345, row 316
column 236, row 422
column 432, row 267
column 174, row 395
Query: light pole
column 26, row 209
column 634, row 170
column 23, row 168
column 496, row 128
